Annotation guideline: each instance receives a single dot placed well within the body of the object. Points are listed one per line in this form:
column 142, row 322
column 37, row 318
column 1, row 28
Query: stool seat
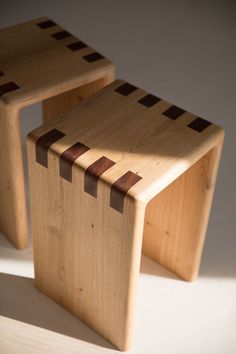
column 140, row 133
column 40, row 56
column 125, row 171
column 39, row 61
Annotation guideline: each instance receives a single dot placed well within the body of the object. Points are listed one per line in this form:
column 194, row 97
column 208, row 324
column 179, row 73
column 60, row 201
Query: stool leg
column 55, row 107
column 13, row 221
column 176, row 219
column 87, row 254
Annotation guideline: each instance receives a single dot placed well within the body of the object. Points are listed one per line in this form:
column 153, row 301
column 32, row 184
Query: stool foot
column 176, row 219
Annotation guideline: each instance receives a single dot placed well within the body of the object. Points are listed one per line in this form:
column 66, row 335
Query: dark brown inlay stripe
column 199, row 124
column 1, row 73
column 43, row 144
column 93, row 172
column 126, row 89
column 10, row 86
column 46, row 24
column 93, row 57
column 119, row 189
column 149, row 100
column 173, row 112
column 77, row 46
column 61, row 35
column 68, row 157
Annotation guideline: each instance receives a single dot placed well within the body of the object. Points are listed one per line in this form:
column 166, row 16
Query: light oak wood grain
column 176, row 219
column 87, row 247
column 38, row 67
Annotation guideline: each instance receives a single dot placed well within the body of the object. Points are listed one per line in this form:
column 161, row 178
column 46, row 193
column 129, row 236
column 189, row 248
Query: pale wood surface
column 87, row 254
column 57, row 106
column 42, row 67
column 176, row 219
column 88, row 260
column 13, row 221
column 137, row 138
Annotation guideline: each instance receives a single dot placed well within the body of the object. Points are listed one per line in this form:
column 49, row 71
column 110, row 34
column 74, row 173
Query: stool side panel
column 13, row 221
column 87, row 255
column 176, row 219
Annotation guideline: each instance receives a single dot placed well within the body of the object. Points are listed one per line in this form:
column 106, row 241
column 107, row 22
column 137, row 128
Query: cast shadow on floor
column 20, row 300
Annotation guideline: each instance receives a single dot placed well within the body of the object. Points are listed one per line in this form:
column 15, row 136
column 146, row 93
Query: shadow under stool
column 125, row 171
column 39, row 61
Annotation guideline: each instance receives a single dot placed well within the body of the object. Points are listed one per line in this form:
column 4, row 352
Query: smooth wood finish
column 176, row 219
column 124, row 163
column 37, row 63
column 57, row 106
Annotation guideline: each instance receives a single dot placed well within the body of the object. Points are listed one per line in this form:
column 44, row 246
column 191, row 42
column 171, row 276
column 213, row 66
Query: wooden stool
column 39, row 61
column 125, row 170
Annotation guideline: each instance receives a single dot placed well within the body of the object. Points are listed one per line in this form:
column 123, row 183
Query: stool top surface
column 39, row 59
column 126, row 136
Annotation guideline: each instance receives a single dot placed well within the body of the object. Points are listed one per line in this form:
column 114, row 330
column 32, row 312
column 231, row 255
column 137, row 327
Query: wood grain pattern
column 176, row 219
column 37, row 66
column 156, row 194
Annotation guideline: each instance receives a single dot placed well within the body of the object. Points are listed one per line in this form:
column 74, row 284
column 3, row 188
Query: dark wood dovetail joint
column 1, row 73
column 149, row 100
column 119, row 189
column 174, row 112
column 77, row 46
column 43, row 144
column 93, row 172
column 8, row 87
column 199, row 124
column 46, row 24
column 68, row 157
column 61, row 35
column 90, row 58
column 126, row 89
